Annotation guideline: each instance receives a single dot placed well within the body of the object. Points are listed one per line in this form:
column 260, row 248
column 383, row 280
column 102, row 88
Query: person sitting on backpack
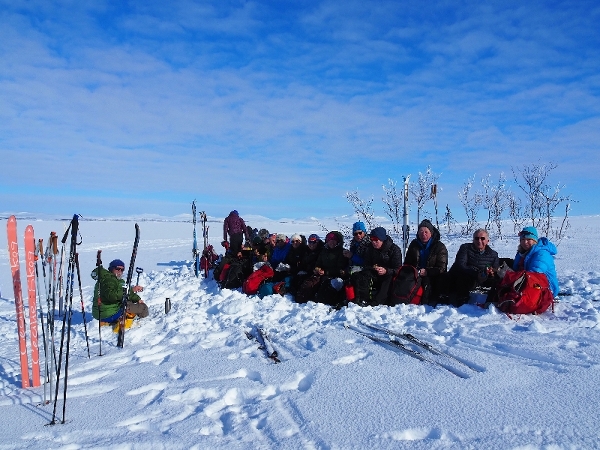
column 109, row 287
column 282, row 248
column 296, row 254
column 235, row 226
column 475, row 266
column 331, row 265
column 383, row 259
column 358, row 245
column 429, row 255
column 308, row 262
column 537, row 255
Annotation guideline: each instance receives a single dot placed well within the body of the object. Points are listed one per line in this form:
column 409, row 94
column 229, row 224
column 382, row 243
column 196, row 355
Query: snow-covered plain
column 191, row 378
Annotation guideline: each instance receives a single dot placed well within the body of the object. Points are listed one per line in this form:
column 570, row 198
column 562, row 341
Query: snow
column 192, row 379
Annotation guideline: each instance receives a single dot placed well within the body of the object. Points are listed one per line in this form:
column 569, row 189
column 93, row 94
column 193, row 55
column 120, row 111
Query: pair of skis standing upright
column 195, row 252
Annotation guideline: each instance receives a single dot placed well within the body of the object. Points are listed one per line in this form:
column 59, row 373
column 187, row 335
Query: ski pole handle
column 98, row 258
column 139, row 271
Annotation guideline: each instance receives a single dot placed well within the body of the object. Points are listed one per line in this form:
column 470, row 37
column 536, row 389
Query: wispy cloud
column 282, row 108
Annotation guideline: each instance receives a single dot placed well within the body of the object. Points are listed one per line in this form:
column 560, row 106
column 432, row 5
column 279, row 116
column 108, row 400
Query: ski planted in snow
column 15, row 267
column 418, row 342
column 127, row 289
column 206, row 252
column 31, row 292
column 400, row 346
column 264, row 342
column 195, row 252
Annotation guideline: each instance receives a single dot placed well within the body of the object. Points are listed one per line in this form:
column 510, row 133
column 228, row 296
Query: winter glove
column 503, row 269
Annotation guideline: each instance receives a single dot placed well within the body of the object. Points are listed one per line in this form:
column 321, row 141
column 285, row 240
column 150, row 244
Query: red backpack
column 524, row 292
column 256, row 278
column 406, row 287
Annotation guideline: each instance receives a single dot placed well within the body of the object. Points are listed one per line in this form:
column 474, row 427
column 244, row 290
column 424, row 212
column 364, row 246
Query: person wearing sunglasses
column 537, row 255
column 358, row 245
column 109, row 287
column 429, row 256
column 475, row 266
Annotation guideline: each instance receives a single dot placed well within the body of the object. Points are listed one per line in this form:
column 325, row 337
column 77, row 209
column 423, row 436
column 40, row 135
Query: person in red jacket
column 235, row 227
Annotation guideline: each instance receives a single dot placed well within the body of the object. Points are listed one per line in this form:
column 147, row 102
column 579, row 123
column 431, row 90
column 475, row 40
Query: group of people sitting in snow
column 325, row 271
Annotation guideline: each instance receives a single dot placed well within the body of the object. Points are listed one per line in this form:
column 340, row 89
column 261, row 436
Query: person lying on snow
column 109, row 287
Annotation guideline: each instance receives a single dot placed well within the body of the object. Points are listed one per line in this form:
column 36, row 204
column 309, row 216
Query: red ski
column 33, row 327
column 15, row 267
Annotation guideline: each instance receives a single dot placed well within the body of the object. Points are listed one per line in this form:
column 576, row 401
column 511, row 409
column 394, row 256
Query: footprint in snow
column 156, row 355
column 358, row 355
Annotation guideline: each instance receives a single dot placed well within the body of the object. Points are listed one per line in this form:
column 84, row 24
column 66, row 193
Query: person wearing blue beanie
column 108, row 295
column 536, row 254
column 358, row 245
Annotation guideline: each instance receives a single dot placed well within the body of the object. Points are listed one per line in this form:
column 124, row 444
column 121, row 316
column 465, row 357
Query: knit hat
column 234, row 212
column 296, row 237
column 331, row 235
column 427, row 224
column 314, row 238
column 116, row 263
column 529, row 233
column 359, row 226
column 379, row 233
column 263, row 233
column 281, row 237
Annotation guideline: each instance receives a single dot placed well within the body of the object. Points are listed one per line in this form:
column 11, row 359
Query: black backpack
column 235, row 275
column 406, row 286
column 362, row 282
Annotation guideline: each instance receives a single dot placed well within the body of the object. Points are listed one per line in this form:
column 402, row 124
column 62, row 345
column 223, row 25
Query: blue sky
column 279, row 108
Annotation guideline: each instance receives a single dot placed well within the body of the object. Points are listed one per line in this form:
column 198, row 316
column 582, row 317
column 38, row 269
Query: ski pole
column 98, row 264
column 87, row 340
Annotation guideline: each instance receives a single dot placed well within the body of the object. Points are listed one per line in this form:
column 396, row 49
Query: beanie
column 427, row 224
column 379, row 233
column 116, row 263
column 281, row 237
column 358, row 226
column 314, row 238
column 529, row 233
column 331, row 235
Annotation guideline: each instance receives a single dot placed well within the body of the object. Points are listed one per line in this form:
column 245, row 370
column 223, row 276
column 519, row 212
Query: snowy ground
column 191, row 378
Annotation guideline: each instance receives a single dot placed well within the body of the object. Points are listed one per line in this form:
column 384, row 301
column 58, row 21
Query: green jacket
column 110, row 289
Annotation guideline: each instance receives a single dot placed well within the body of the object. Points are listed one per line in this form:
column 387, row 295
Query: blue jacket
column 279, row 254
column 540, row 259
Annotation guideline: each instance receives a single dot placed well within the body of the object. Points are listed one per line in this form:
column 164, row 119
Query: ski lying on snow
column 400, row 346
column 418, row 342
column 264, row 342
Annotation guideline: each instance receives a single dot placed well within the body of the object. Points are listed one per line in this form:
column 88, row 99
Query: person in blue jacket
column 359, row 245
column 537, row 255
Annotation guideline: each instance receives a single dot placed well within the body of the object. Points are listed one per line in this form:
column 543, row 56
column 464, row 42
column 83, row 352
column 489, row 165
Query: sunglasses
column 479, row 238
column 119, row 269
column 296, row 241
column 374, row 238
column 359, row 233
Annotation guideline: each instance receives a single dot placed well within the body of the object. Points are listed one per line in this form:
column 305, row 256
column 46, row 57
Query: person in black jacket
column 384, row 259
column 307, row 263
column 475, row 266
column 430, row 256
